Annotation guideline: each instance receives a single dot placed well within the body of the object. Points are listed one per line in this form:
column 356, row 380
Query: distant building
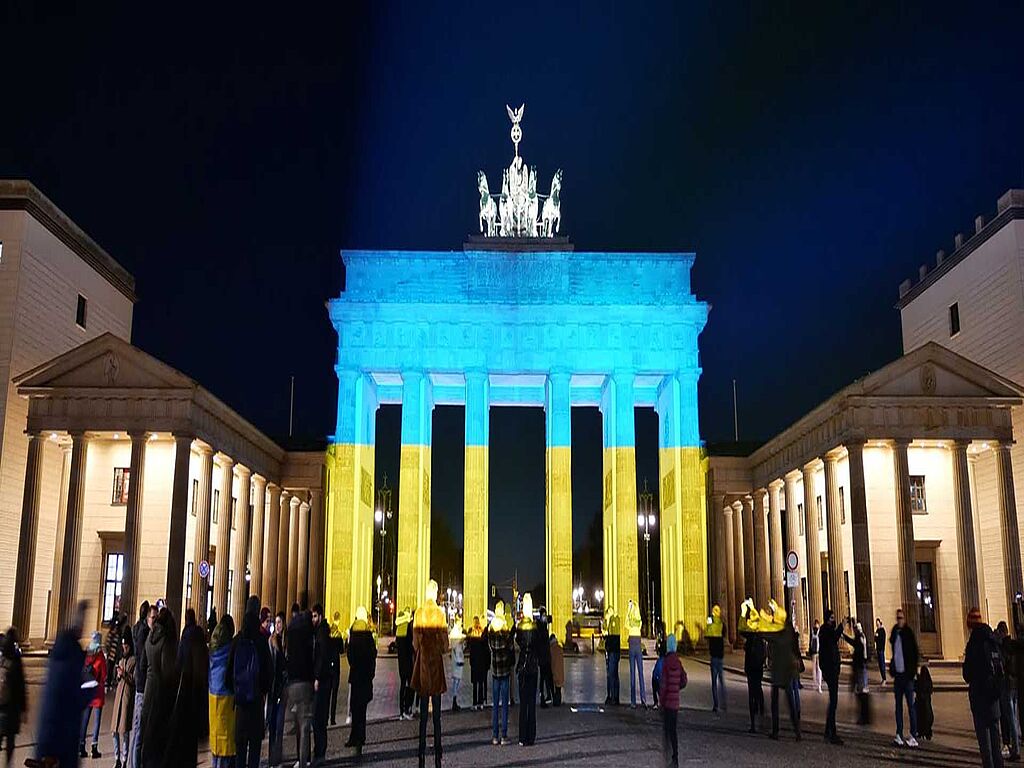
column 910, row 475
column 120, row 476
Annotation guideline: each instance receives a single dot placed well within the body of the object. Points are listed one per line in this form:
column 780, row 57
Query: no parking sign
column 204, row 569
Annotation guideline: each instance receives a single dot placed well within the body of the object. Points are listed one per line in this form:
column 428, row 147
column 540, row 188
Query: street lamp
column 646, row 520
column 381, row 516
column 598, row 596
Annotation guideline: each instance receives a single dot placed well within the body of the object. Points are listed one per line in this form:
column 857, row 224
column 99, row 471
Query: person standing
column 478, row 663
column 1008, row 693
column 859, row 667
column 903, row 665
column 430, row 644
column 812, row 652
column 612, row 653
column 983, row 671
column 557, row 668
column 634, row 623
column 13, row 700
column 457, row 646
column 785, row 666
column 248, row 678
column 403, row 648
column 499, row 642
column 162, row 677
column 880, row 647
column 299, row 693
column 190, row 719
column 829, row 635
column 124, row 702
column 338, row 639
column 753, row 670
column 716, row 650
column 547, row 686
column 96, row 670
column 324, row 662
column 673, row 680
column 362, row 667
column 528, row 639
column 64, row 698
column 140, row 632
column 278, row 685
column 221, row 698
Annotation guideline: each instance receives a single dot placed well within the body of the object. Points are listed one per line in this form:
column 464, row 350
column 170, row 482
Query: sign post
column 792, row 581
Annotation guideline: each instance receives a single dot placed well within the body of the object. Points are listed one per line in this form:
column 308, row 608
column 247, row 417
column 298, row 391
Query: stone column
column 906, row 560
column 68, row 592
column 476, row 489
column 558, row 471
column 224, row 513
column 814, row 603
column 796, row 606
column 259, row 503
column 749, row 549
column 683, row 502
column 302, row 590
column 283, row 542
column 761, row 588
column 58, row 554
column 24, row 579
column 834, row 537
column 1008, row 525
column 862, row 579
column 173, row 590
column 739, row 578
column 240, row 554
column 970, row 595
column 621, row 564
column 201, row 550
column 720, row 583
column 776, row 569
column 729, row 605
column 133, row 522
column 270, row 552
column 316, row 546
column 294, row 545
column 414, row 489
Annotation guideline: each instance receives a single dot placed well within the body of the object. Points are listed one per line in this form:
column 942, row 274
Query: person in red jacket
column 96, row 668
column 673, row 680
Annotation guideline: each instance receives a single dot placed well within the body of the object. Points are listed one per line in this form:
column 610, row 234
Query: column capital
column 901, row 442
column 560, row 374
column 33, row 434
column 259, row 481
column 285, row 495
column 243, row 471
column 204, row 450
column 760, row 491
column 138, row 434
column 810, row 467
column 1005, row 445
column 225, row 461
column 775, row 484
column 78, row 434
column 476, row 374
column 961, row 443
column 727, row 510
column 182, row 436
column 832, row 456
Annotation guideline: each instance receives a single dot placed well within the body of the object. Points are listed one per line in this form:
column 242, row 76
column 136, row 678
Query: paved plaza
column 585, row 732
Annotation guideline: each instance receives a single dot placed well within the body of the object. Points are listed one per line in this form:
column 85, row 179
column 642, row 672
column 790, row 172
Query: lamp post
column 382, row 515
column 646, row 520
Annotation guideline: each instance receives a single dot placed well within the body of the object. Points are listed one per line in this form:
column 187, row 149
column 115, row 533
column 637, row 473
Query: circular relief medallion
column 928, row 380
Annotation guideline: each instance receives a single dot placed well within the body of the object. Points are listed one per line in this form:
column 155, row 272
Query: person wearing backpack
column 248, row 674
column 983, row 673
column 673, row 680
column 13, row 701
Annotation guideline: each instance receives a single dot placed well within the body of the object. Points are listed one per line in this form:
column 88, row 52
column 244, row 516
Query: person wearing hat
column 903, row 663
column 95, row 669
column 983, row 671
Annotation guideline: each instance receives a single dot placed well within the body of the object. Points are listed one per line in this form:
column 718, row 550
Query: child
column 124, row 701
column 656, row 676
column 457, row 640
column 923, row 702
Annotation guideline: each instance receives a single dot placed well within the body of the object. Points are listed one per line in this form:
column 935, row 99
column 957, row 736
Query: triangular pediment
column 934, row 371
column 106, row 362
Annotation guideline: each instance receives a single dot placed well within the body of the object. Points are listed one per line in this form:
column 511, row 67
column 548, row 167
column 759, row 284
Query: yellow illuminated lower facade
column 684, row 565
column 474, row 586
column 350, row 527
column 558, row 524
column 413, row 525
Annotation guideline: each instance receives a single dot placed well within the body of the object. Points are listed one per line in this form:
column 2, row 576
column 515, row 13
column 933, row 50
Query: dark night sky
column 811, row 154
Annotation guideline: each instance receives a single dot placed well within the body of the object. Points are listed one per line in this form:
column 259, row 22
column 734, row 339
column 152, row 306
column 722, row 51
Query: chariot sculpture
column 520, row 211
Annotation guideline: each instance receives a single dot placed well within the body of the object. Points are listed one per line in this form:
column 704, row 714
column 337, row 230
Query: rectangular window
column 800, row 517
column 216, row 505
column 954, row 319
column 119, row 494
column 842, row 506
column 821, row 517
column 195, row 497
column 918, row 504
column 81, row 312
column 188, row 583
column 234, row 513
column 113, row 573
column 926, row 596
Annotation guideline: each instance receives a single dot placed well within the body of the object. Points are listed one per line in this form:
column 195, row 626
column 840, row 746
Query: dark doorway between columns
column 648, row 551
column 447, row 499
column 387, row 461
column 587, row 512
column 516, row 529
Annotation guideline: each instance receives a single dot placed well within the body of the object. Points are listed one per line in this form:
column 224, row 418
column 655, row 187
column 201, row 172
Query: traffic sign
column 204, row 569
column 792, row 560
column 792, row 579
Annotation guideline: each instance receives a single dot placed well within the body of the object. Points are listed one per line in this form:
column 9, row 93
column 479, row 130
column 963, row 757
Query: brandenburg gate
column 519, row 318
